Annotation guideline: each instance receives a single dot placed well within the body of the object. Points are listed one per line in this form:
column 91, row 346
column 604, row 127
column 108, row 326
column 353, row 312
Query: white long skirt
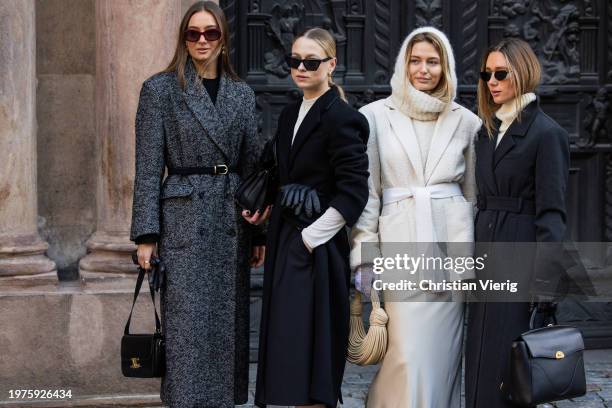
column 422, row 366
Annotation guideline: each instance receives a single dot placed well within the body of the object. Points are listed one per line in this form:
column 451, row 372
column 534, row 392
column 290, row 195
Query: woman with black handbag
column 323, row 169
column 522, row 167
column 197, row 119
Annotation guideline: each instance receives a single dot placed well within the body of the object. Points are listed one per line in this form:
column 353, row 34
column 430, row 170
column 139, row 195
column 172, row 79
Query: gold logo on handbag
column 559, row 355
column 135, row 363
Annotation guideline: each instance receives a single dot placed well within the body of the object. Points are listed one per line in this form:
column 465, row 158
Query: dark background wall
column 573, row 40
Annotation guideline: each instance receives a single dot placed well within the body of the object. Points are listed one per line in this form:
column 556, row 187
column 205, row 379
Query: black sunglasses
column 310, row 64
column 499, row 75
column 212, row 34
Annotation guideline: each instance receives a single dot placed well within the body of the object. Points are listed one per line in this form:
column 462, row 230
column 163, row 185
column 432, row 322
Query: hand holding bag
column 546, row 365
column 258, row 190
column 143, row 355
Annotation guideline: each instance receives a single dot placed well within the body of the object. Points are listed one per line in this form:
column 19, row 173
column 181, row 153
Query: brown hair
column 181, row 54
column 444, row 89
column 526, row 72
column 327, row 42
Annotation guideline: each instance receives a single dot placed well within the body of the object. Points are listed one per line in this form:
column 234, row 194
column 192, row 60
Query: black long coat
column 305, row 313
column 531, row 162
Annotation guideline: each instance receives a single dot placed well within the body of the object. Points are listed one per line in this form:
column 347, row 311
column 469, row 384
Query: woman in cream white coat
column 421, row 189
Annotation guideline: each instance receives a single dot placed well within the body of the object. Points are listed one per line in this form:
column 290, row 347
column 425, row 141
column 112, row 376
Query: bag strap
column 533, row 315
column 141, row 274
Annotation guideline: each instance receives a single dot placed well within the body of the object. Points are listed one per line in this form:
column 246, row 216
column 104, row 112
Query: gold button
column 559, row 355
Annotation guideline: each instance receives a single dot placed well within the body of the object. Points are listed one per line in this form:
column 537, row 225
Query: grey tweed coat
column 204, row 242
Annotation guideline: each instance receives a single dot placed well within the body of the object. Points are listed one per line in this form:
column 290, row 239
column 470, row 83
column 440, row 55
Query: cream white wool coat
column 422, row 366
column 395, row 161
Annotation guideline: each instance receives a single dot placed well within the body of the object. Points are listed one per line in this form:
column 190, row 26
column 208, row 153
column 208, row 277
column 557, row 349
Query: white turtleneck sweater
column 304, row 108
column 509, row 111
column 328, row 224
column 424, row 110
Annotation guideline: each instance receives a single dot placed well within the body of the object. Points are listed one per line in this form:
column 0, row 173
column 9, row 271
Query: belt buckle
column 224, row 170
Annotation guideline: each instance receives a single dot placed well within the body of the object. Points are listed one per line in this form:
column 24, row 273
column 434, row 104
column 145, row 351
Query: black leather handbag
column 143, row 355
column 259, row 189
column 546, row 365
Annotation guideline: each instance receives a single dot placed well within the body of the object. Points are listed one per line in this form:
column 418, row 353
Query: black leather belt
column 511, row 204
column 218, row 170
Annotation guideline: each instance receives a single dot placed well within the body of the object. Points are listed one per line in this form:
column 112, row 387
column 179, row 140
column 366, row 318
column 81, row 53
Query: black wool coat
column 305, row 313
column 532, row 163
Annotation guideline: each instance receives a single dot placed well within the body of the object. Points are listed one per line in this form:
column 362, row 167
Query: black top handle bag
column 546, row 365
column 143, row 355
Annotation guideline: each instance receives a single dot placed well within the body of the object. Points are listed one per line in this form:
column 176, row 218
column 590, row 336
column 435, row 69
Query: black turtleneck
column 212, row 87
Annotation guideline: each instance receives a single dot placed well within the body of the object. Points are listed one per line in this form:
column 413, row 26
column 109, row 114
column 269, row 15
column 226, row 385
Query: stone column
column 22, row 251
column 134, row 40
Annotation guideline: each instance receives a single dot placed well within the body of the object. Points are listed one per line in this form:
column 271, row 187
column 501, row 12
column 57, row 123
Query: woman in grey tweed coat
column 192, row 117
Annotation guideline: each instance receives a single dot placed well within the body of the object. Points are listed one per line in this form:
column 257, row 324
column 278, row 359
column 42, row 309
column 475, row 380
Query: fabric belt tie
column 422, row 195
column 516, row 205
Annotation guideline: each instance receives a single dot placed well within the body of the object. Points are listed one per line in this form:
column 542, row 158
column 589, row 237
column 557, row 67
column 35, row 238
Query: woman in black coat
column 323, row 170
column 522, row 161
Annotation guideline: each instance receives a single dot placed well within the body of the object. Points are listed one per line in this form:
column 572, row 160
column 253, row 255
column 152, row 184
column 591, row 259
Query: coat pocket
column 174, row 190
column 397, row 227
column 459, row 221
column 460, row 237
column 178, row 225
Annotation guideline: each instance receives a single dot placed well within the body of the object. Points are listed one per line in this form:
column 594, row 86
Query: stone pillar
column 22, row 251
column 134, row 40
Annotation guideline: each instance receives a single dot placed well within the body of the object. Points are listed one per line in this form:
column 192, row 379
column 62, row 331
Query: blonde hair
column 525, row 75
column 327, row 42
column 444, row 89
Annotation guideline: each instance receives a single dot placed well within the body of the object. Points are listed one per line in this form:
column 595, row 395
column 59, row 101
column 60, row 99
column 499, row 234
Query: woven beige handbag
column 367, row 348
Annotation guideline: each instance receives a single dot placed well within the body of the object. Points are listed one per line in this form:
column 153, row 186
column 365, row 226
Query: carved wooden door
column 573, row 40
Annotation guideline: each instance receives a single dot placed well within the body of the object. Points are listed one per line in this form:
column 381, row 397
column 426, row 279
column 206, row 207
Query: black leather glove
column 300, row 198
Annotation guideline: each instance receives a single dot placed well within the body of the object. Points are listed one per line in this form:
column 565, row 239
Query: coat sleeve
column 150, row 164
column 468, row 184
column 250, row 154
column 348, row 158
column 551, row 176
column 366, row 228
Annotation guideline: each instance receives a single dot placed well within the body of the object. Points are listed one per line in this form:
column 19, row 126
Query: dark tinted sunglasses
column 212, row 34
column 310, row 64
column 499, row 75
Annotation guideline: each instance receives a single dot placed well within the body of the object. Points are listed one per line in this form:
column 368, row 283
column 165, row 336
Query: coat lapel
column 206, row 113
column 310, row 122
column 443, row 133
column 516, row 129
column 285, row 135
column 401, row 126
column 227, row 107
column 485, row 151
